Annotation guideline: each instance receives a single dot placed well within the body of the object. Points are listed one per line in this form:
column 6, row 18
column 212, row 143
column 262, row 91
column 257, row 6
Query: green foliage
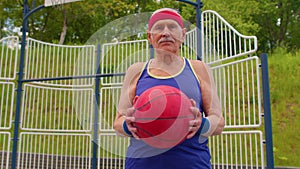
column 9, row 15
column 276, row 23
column 284, row 68
column 237, row 13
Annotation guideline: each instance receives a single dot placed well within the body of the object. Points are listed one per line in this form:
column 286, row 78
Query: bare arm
column 126, row 99
column 211, row 103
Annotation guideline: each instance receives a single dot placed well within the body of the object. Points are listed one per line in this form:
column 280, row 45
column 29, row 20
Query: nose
column 166, row 32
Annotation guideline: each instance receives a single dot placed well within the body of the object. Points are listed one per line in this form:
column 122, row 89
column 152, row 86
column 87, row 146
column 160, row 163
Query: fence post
column 199, row 31
column 198, row 5
column 16, row 122
column 267, row 111
column 151, row 52
column 96, row 110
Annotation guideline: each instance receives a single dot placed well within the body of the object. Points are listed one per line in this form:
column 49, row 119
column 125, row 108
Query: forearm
column 211, row 104
column 118, row 125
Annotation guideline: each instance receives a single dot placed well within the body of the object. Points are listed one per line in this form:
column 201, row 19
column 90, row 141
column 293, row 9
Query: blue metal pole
column 267, row 111
column 151, row 52
column 198, row 5
column 199, row 31
column 96, row 110
column 188, row 2
column 73, row 77
column 16, row 122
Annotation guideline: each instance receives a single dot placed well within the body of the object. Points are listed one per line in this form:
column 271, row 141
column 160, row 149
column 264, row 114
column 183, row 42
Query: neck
column 166, row 65
column 167, row 61
column 166, row 58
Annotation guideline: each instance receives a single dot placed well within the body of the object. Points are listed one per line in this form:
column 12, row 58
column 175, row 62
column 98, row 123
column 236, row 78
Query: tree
column 274, row 22
column 8, row 13
column 68, row 23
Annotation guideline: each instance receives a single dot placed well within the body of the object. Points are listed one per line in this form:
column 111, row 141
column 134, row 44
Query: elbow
column 115, row 126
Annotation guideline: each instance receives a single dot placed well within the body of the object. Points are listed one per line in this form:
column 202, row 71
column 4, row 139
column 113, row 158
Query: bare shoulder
column 133, row 72
column 199, row 66
column 129, row 85
column 136, row 67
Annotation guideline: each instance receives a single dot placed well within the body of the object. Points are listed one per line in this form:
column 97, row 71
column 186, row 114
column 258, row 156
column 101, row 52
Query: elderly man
column 166, row 33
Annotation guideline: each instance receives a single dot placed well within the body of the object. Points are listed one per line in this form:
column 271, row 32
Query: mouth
column 166, row 41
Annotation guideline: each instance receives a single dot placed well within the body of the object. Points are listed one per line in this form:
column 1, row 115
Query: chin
column 166, row 50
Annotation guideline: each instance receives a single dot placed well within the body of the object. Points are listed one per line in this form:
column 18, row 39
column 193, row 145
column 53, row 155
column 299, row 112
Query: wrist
column 126, row 130
column 205, row 126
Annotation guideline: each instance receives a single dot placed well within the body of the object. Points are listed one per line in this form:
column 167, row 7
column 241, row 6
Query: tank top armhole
column 194, row 72
column 143, row 69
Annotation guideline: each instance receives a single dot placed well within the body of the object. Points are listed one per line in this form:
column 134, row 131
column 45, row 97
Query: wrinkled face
column 166, row 35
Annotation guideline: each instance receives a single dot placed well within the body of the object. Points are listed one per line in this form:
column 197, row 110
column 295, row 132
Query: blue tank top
column 191, row 153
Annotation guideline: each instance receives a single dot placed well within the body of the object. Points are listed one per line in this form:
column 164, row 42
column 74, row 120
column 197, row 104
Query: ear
column 183, row 34
column 149, row 37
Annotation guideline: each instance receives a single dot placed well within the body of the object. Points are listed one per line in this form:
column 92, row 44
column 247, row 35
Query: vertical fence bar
column 267, row 111
column 20, row 82
column 96, row 110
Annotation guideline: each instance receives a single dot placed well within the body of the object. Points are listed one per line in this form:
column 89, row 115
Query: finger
column 129, row 119
column 195, row 123
column 193, row 102
column 131, row 127
column 194, row 126
column 135, row 136
column 130, row 111
column 196, row 112
column 190, row 135
column 133, row 130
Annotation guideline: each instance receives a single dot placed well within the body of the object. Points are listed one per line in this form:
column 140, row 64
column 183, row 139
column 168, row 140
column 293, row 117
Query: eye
column 158, row 27
column 172, row 26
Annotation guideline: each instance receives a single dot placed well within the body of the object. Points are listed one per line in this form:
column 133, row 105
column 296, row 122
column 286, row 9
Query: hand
column 129, row 119
column 194, row 124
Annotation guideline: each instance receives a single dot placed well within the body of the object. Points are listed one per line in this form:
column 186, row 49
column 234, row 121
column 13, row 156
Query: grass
column 284, row 69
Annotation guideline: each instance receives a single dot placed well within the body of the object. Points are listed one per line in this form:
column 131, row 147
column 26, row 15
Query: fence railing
column 221, row 41
column 62, row 124
column 9, row 48
column 46, row 60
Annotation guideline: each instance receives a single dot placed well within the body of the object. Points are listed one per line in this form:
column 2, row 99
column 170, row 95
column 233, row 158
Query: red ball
column 162, row 114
